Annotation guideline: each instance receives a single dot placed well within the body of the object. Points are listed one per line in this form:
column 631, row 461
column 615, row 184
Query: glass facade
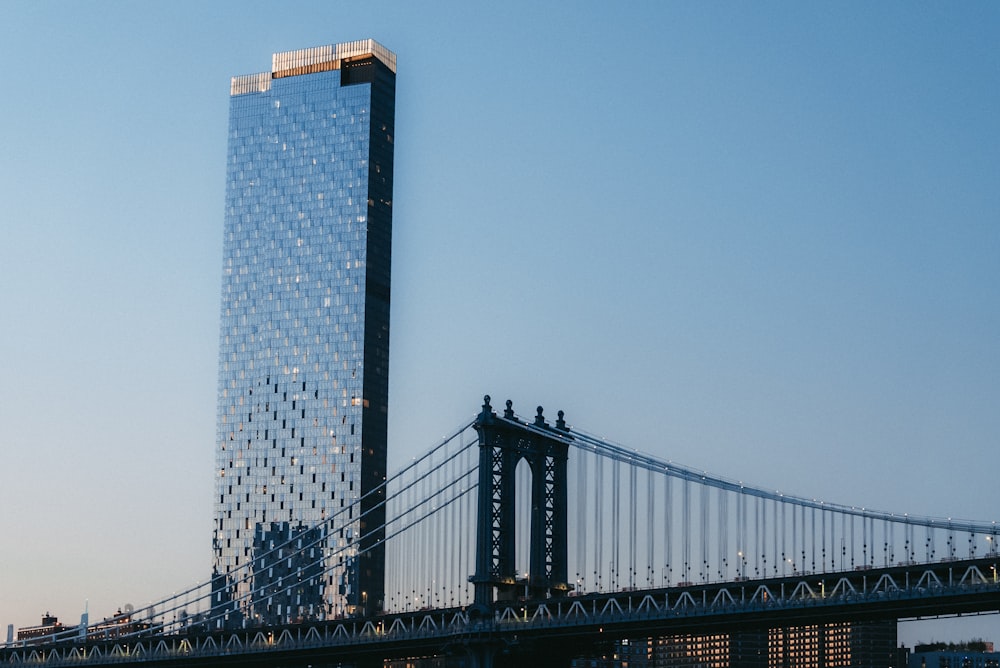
column 304, row 334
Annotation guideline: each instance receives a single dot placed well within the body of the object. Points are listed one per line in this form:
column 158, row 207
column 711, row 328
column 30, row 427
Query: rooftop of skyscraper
column 312, row 59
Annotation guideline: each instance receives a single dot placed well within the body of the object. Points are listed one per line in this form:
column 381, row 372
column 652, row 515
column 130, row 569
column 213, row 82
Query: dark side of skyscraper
column 304, row 336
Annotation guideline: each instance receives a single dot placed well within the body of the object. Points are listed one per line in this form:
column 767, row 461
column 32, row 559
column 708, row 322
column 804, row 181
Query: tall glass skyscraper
column 304, row 336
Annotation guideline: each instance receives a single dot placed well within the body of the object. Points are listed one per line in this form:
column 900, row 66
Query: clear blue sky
column 762, row 239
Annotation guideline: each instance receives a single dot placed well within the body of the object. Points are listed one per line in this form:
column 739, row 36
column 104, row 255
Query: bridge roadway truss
column 569, row 624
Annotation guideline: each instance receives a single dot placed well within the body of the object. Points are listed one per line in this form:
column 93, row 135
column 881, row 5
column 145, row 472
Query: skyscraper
column 304, row 335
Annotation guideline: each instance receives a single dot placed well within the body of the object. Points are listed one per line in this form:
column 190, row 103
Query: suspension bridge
column 516, row 536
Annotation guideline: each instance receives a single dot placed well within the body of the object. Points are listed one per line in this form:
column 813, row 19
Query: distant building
column 975, row 654
column 117, row 626
column 712, row 650
column 627, row 653
column 846, row 644
column 120, row 625
column 50, row 626
column 832, row 645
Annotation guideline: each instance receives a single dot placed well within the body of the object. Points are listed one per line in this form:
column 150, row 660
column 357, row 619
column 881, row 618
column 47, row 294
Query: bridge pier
column 490, row 652
column 482, row 654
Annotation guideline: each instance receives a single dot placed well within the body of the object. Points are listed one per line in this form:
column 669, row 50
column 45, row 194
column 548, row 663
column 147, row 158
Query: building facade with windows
column 974, row 654
column 868, row 644
column 304, row 335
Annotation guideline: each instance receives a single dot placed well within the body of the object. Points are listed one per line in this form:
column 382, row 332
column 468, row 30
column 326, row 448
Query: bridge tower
column 503, row 443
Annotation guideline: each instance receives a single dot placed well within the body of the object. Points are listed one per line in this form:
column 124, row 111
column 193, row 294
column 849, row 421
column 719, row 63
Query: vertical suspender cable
column 428, row 569
column 854, row 549
column 615, row 519
column 427, row 573
column 741, row 521
column 774, row 522
column 460, row 576
column 757, row 537
column 469, row 521
column 723, row 534
column 812, row 530
column 447, row 587
column 784, row 537
column 668, row 511
column 398, row 549
column 411, row 580
column 763, row 536
column 888, row 540
column 822, row 533
column 598, row 522
column 686, row 531
column 632, row 501
column 802, row 530
column 651, row 523
column 795, row 535
column 433, row 596
column 864, row 537
column 581, row 524
column 843, row 540
column 405, row 546
column 704, row 530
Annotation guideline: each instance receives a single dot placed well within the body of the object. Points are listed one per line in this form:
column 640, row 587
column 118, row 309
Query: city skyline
column 805, row 271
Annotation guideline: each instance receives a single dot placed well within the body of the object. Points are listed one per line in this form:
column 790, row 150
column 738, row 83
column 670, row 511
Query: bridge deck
column 897, row 592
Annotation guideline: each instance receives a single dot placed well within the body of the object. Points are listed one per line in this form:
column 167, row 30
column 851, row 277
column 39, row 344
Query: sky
column 760, row 239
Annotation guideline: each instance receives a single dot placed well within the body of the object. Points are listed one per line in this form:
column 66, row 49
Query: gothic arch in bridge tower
column 503, row 442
